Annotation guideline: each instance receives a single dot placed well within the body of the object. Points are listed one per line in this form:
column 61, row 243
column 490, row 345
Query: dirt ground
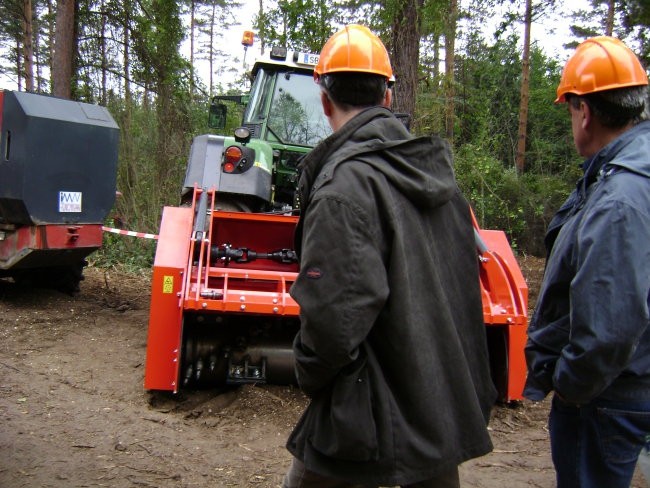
column 73, row 411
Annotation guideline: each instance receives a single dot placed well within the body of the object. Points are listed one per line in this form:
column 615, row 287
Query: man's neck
column 603, row 136
column 339, row 117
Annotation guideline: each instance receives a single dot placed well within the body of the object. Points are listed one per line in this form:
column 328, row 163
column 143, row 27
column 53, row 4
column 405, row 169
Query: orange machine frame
column 185, row 279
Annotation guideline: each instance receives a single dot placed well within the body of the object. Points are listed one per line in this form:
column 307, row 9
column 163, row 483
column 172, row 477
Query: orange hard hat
column 598, row 64
column 354, row 49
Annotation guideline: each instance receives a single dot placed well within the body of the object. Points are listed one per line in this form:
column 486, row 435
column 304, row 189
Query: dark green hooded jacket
column 392, row 347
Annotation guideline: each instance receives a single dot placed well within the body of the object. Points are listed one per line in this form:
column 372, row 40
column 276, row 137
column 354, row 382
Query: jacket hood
column 628, row 151
column 420, row 168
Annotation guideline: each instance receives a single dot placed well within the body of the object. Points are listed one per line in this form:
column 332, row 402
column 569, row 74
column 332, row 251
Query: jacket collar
column 311, row 165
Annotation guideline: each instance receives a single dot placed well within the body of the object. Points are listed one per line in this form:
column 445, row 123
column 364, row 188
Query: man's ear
column 327, row 104
column 587, row 116
column 388, row 98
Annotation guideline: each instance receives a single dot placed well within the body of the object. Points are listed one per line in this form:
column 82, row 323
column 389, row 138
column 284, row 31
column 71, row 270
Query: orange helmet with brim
column 599, row 64
column 354, row 49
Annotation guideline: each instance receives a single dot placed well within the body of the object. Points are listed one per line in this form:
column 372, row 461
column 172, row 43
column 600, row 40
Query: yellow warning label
column 168, row 284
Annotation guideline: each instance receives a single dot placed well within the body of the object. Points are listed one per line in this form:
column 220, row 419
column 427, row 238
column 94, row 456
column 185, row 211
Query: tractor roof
column 282, row 57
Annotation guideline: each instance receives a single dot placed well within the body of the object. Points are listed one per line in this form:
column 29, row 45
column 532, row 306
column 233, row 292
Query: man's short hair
column 616, row 108
column 354, row 90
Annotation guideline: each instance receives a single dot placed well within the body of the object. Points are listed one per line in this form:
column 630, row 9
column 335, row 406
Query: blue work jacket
column 589, row 336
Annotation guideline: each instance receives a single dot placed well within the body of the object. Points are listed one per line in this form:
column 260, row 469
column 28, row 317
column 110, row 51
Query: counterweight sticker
column 69, row 201
column 168, row 284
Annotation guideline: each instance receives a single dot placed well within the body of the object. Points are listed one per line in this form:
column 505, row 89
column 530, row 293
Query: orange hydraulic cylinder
column 166, row 312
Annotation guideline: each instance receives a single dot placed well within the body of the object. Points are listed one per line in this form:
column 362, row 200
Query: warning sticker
column 168, row 284
column 69, row 201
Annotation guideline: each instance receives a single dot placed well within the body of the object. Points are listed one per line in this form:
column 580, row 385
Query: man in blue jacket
column 392, row 349
column 589, row 340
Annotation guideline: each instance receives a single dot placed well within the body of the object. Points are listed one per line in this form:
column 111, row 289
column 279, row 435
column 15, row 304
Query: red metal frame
column 261, row 287
column 166, row 310
column 181, row 282
column 17, row 244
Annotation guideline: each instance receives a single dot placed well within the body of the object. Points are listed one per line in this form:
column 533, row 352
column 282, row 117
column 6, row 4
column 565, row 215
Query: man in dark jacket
column 589, row 339
column 392, row 348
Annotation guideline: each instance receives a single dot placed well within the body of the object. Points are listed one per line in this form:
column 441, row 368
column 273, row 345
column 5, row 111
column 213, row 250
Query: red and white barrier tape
column 130, row 233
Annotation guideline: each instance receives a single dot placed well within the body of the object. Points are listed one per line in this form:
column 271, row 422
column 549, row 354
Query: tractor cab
column 283, row 115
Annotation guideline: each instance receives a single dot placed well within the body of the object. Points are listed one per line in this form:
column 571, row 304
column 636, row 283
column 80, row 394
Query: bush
column 131, row 253
column 494, row 192
column 521, row 206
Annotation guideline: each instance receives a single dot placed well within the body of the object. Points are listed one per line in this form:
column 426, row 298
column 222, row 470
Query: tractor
column 221, row 313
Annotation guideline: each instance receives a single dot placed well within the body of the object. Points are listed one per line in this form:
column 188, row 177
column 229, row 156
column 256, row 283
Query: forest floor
column 74, row 413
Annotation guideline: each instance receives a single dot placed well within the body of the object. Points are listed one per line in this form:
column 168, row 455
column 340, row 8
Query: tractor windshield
column 295, row 115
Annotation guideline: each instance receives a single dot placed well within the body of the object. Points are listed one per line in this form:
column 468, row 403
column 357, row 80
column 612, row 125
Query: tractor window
column 260, row 91
column 296, row 116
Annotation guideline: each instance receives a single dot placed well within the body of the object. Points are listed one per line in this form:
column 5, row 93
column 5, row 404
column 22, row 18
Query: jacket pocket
column 344, row 427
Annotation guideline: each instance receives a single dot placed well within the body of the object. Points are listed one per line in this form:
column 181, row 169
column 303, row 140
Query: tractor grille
column 255, row 129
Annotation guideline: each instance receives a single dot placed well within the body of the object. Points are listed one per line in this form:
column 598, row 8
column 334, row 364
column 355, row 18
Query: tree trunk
column 211, row 48
column 63, row 49
column 19, row 66
column 609, row 27
column 38, row 60
column 51, row 30
column 127, row 53
column 405, row 43
column 192, row 8
column 450, row 44
column 104, row 61
column 436, row 56
column 28, row 45
column 525, row 79
column 260, row 14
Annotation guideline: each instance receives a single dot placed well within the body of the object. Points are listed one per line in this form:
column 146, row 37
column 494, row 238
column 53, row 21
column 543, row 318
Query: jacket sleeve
column 341, row 289
column 609, row 301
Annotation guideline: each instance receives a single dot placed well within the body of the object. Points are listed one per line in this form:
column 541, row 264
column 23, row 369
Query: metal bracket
column 246, row 372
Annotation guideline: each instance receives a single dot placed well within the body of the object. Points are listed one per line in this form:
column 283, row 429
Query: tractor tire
column 233, row 203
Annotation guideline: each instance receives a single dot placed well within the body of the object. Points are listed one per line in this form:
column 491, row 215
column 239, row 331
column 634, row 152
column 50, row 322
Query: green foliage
column 636, row 20
column 543, row 194
column 143, row 190
column 488, row 102
column 157, row 37
column 494, row 192
column 297, row 24
column 550, row 145
column 131, row 253
column 521, row 206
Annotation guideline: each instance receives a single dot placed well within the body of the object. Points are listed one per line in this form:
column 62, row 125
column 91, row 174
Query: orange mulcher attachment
column 220, row 306
column 221, row 312
column 505, row 311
